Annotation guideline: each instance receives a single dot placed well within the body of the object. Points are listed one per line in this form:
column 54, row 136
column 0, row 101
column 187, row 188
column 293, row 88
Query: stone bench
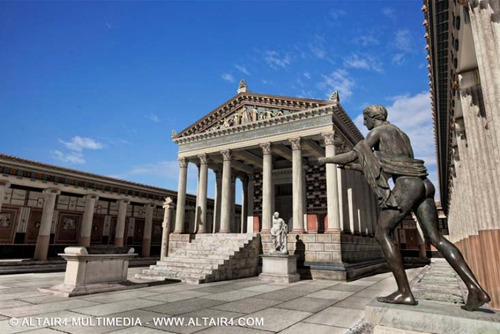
column 93, row 271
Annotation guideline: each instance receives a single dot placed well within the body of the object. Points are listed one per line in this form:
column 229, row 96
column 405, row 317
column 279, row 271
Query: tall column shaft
column 244, row 205
column 121, row 234
column 233, row 225
column 226, row 193
column 218, row 202
column 267, row 184
column 168, row 205
column 148, row 228
column 181, row 197
column 88, row 216
column 298, row 186
column 332, row 194
column 43, row 239
column 250, row 198
column 202, row 203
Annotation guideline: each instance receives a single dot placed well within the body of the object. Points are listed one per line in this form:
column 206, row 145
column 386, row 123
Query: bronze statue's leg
column 406, row 191
column 427, row 217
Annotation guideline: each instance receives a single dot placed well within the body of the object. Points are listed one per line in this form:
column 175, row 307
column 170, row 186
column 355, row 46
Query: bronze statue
column 386, row 152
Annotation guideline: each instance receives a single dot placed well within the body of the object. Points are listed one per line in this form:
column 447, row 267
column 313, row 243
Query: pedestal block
column 280, row 268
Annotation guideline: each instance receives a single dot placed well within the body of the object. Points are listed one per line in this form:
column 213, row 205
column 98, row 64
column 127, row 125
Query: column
column 202, row 203
column 121, row 234
column 233, row 226
column 244, row 204
column 148, row 228
column 168, row 205
column 332, row 194
column 88, row 216
column 181, row 196
column 3, row 186
column 267, row 184
column 217, row 202
column 350, row 201
column 225, row 215
column 43, row 239
column 196, row 206
column 298, row 186
column 250, row 198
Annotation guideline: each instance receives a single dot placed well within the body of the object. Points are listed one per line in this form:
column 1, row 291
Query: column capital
column 169, row 203
column 123, row 200
column 91, row 196
column 468, row 79
column 296, row 143
column 266, row 148
column 226, row 155
column 203, row 158
column 52, row 191
column 329, row 137
column 183, row 162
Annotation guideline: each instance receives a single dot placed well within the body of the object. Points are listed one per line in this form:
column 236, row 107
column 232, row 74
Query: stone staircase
column 209, row 258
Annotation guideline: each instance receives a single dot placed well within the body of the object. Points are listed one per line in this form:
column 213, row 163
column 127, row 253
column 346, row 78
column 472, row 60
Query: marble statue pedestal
column 279, row 268
column 92, row 273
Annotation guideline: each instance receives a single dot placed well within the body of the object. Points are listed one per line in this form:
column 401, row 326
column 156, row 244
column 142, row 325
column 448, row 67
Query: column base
column 265, row 231
column 177, row 232
column 42, row 248
column 333, row 230
column 84, row 242
column 224, row 231
column 300, row 231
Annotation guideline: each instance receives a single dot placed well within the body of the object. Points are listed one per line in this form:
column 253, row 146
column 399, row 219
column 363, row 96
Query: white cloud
column 227, row 77
column 389, row 12
column 266, row 82
column 317, row 47
column 276, row 60
column 363, row 62
column 402, row 40
column 338, row 80
column 366, row 40
column 336, row 14
column 154, row 118
column 307, row 75
column 242, row 69
column 71, row 157
column 78, row 143
column 413, row 115
column 398, row 58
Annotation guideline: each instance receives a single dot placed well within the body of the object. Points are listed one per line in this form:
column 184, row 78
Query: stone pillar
column 148, row 228
column 217, row 202
column 244, row 204
column 298, row 186
column 181, row 196
column 250, row 198
column 232, row 225
column 43, row 239
column 225, row 215
column 267, row 187
column 202, row 203
column 3, row 186
column 88, row 216
column 168, row 205
column 121, row 234
column 351, row 202
column 196, row 206
column 333, row 211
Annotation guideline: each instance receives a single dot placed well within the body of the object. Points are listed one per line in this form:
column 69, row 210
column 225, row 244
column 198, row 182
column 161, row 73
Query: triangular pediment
column 249, row 107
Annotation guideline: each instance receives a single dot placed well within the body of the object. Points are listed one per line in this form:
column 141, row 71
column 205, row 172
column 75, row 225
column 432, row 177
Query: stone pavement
column 317, row 306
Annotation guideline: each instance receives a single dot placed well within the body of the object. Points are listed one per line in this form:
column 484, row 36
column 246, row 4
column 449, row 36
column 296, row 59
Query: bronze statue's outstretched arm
column 341, row 159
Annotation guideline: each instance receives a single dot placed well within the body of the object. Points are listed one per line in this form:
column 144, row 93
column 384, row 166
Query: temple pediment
column 247, row 107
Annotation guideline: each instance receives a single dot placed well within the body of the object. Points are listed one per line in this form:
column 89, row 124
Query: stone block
column 324, row 237
column 310, row 257
column 324, row 257
column 332, row 247
column 314, row 247
column 279, row 268
column 308, row 238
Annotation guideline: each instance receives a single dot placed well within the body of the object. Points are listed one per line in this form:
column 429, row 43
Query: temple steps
column 209, row 258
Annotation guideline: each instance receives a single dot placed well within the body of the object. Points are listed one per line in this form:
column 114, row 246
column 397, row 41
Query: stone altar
column 88, row 272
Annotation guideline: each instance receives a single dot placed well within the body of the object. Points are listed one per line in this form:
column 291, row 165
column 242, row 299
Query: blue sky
column 99, row 86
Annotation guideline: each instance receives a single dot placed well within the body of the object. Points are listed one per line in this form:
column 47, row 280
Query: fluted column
column 3, row 186
column 267, row 185
column 88, row 216
column 43, row 239
column 181, row 196
column 148, row 228
column 226, row 192
column 233, row 224
column 244, row 204
column 350, row 202
column 121, row 234
column 298, row 186
column 168, row 205
column 332, row 195
column 202, row 203
column 218, row 201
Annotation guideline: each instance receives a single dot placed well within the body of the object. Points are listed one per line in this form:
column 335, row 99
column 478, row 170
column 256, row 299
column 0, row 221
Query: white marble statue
column 279, row 232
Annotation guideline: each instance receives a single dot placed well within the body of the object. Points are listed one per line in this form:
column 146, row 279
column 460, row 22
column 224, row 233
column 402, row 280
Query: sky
column 99, row 86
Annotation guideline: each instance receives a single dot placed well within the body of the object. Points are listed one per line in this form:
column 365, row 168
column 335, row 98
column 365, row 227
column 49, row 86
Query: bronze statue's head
column 373, row 113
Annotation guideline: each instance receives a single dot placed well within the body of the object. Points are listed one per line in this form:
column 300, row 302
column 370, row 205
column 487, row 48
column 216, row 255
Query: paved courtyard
column 315, row 306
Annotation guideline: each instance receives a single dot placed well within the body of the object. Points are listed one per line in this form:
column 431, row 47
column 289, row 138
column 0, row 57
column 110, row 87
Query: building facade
column 463, row 44
column 45, row 208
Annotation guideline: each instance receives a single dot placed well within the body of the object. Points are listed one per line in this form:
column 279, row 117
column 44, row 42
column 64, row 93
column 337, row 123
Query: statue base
column 279, row 268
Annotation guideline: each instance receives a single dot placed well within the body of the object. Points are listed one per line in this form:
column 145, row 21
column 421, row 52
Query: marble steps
column 210, row 257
